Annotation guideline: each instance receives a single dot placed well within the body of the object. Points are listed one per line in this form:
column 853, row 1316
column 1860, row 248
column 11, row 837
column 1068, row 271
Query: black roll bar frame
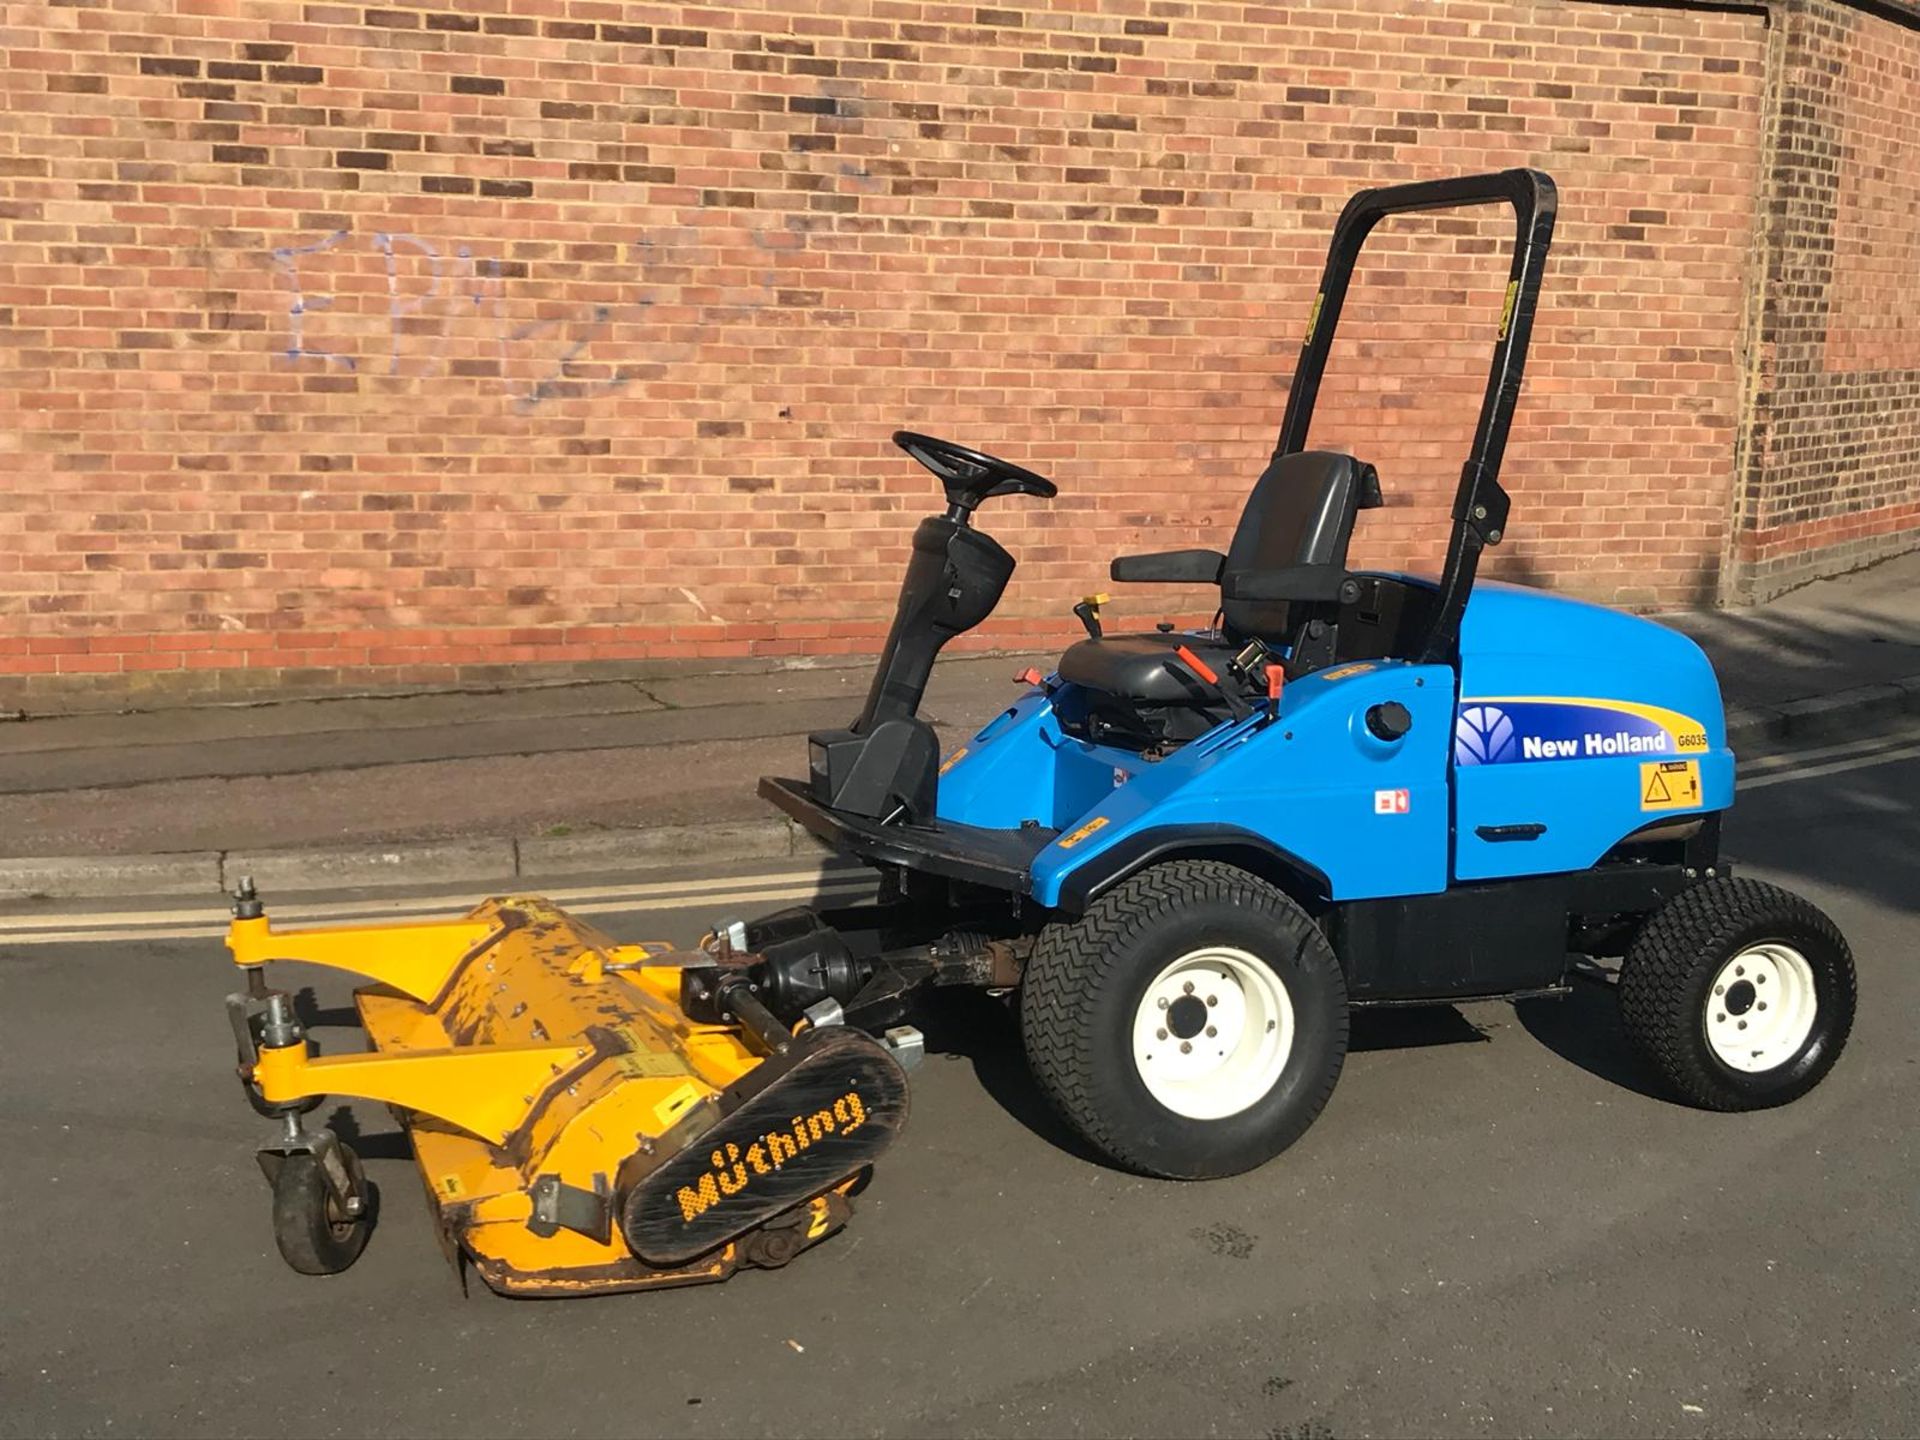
column 1480, row 505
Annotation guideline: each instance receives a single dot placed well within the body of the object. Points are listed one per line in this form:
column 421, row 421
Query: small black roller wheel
column 315, row 1233
column 1191, row 1024
column 1740, row 994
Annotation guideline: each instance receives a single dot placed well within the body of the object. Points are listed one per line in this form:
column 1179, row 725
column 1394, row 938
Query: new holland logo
column 1502, row 732
column 734, row 1170
column 1483, row 735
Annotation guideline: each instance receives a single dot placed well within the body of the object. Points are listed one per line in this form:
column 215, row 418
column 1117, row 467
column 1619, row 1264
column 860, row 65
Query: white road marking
column 1815, row 754
column 1782, row 775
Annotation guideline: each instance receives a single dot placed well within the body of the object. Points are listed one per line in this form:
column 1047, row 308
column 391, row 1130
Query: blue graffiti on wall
column 463, row 285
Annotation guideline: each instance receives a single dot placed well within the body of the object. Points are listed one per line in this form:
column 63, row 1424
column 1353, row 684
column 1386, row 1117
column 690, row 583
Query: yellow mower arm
column 487, row 1090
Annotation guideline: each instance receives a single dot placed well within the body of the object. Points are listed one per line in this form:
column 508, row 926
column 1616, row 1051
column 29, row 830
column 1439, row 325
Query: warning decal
column 1669, row 784
column 1067, row 842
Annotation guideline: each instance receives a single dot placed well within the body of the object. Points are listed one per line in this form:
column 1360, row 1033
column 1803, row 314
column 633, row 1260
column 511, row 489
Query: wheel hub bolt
column 1186, row 1047
column 1187, row 989
column 1211, row 1032
column 1159, row 1034
column 1163, row 1002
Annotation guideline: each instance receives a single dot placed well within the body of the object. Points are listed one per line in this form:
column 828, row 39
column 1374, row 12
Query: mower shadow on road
column 963, row 1023
column 381, row 1145
column 1584, row 1029
column 1411, row 1028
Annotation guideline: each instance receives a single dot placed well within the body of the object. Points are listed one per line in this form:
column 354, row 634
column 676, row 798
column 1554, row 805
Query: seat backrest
column 1294, row 531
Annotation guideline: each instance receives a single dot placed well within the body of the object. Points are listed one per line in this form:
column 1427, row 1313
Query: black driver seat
column 1288, row 560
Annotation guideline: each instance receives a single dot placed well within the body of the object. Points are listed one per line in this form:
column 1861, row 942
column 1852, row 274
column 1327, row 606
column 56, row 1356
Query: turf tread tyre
column 1075, row 961
column 1664, row 976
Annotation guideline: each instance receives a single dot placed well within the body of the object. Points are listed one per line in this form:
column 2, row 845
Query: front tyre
column 1191, row 1024
column 1740, row 994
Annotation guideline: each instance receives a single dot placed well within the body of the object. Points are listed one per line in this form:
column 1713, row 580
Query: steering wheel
column 969, row 476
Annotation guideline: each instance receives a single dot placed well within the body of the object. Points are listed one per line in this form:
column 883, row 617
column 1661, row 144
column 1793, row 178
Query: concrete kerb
column 493, row 860
column 486, row 860
column 93, row 877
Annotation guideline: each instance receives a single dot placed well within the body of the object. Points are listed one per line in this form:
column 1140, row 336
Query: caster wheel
column 1740, row 994
column 315, row 1234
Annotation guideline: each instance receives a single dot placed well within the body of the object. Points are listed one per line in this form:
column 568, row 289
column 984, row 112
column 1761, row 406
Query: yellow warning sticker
column 450, row 1184
column 1313, row 317
column 954, row 759
column 1067, row 842
column 1506, row 311
column 651, row 1064
column 1669, row 784
column 671, row 1108
column 1346, row 670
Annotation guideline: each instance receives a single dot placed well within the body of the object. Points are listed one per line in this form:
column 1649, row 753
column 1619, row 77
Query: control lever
column 1089, row 612
column 1210, row 677
column 1256, row 656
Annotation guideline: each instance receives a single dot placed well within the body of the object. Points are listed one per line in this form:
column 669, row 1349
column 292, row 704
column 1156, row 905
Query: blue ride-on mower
column 1187, row 856
column 1194, row 854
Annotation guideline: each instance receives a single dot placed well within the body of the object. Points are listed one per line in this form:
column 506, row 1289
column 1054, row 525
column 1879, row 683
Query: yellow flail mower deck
column 576, row 1131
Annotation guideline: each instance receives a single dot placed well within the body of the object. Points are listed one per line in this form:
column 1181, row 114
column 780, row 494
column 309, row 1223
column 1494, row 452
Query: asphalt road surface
column 1494, row 1229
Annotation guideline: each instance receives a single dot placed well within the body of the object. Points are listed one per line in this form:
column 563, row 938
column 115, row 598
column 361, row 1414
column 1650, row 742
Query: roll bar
column 1480, row 505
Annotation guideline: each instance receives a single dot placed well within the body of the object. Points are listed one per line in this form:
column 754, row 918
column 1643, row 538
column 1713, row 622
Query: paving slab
column 618, row 773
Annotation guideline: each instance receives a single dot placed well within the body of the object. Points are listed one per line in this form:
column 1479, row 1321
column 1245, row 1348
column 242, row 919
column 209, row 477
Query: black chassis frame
column 1498, row 939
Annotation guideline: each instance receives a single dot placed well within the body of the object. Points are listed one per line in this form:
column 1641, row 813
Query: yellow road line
column 408, row 903
column 831, row 881
column 59, row 930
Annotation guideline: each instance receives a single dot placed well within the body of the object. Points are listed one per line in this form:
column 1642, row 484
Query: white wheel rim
column 1212, row 1033
column 1761, row 1007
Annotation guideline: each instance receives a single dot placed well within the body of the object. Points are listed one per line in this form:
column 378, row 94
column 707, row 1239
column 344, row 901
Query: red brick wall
column 1832, row 474
column 412, row 344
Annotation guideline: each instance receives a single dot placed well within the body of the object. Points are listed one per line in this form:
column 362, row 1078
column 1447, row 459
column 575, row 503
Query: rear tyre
column 1739, row 994
column 1191, row 1024
column 315, row 1234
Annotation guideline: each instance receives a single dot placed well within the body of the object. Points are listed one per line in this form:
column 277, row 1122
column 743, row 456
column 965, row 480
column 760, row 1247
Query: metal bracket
column 324, row 1146
column 240, row 1015
column 251, row 1012
column 906, row 1044
column 559, row 1206
column 823, row 1013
